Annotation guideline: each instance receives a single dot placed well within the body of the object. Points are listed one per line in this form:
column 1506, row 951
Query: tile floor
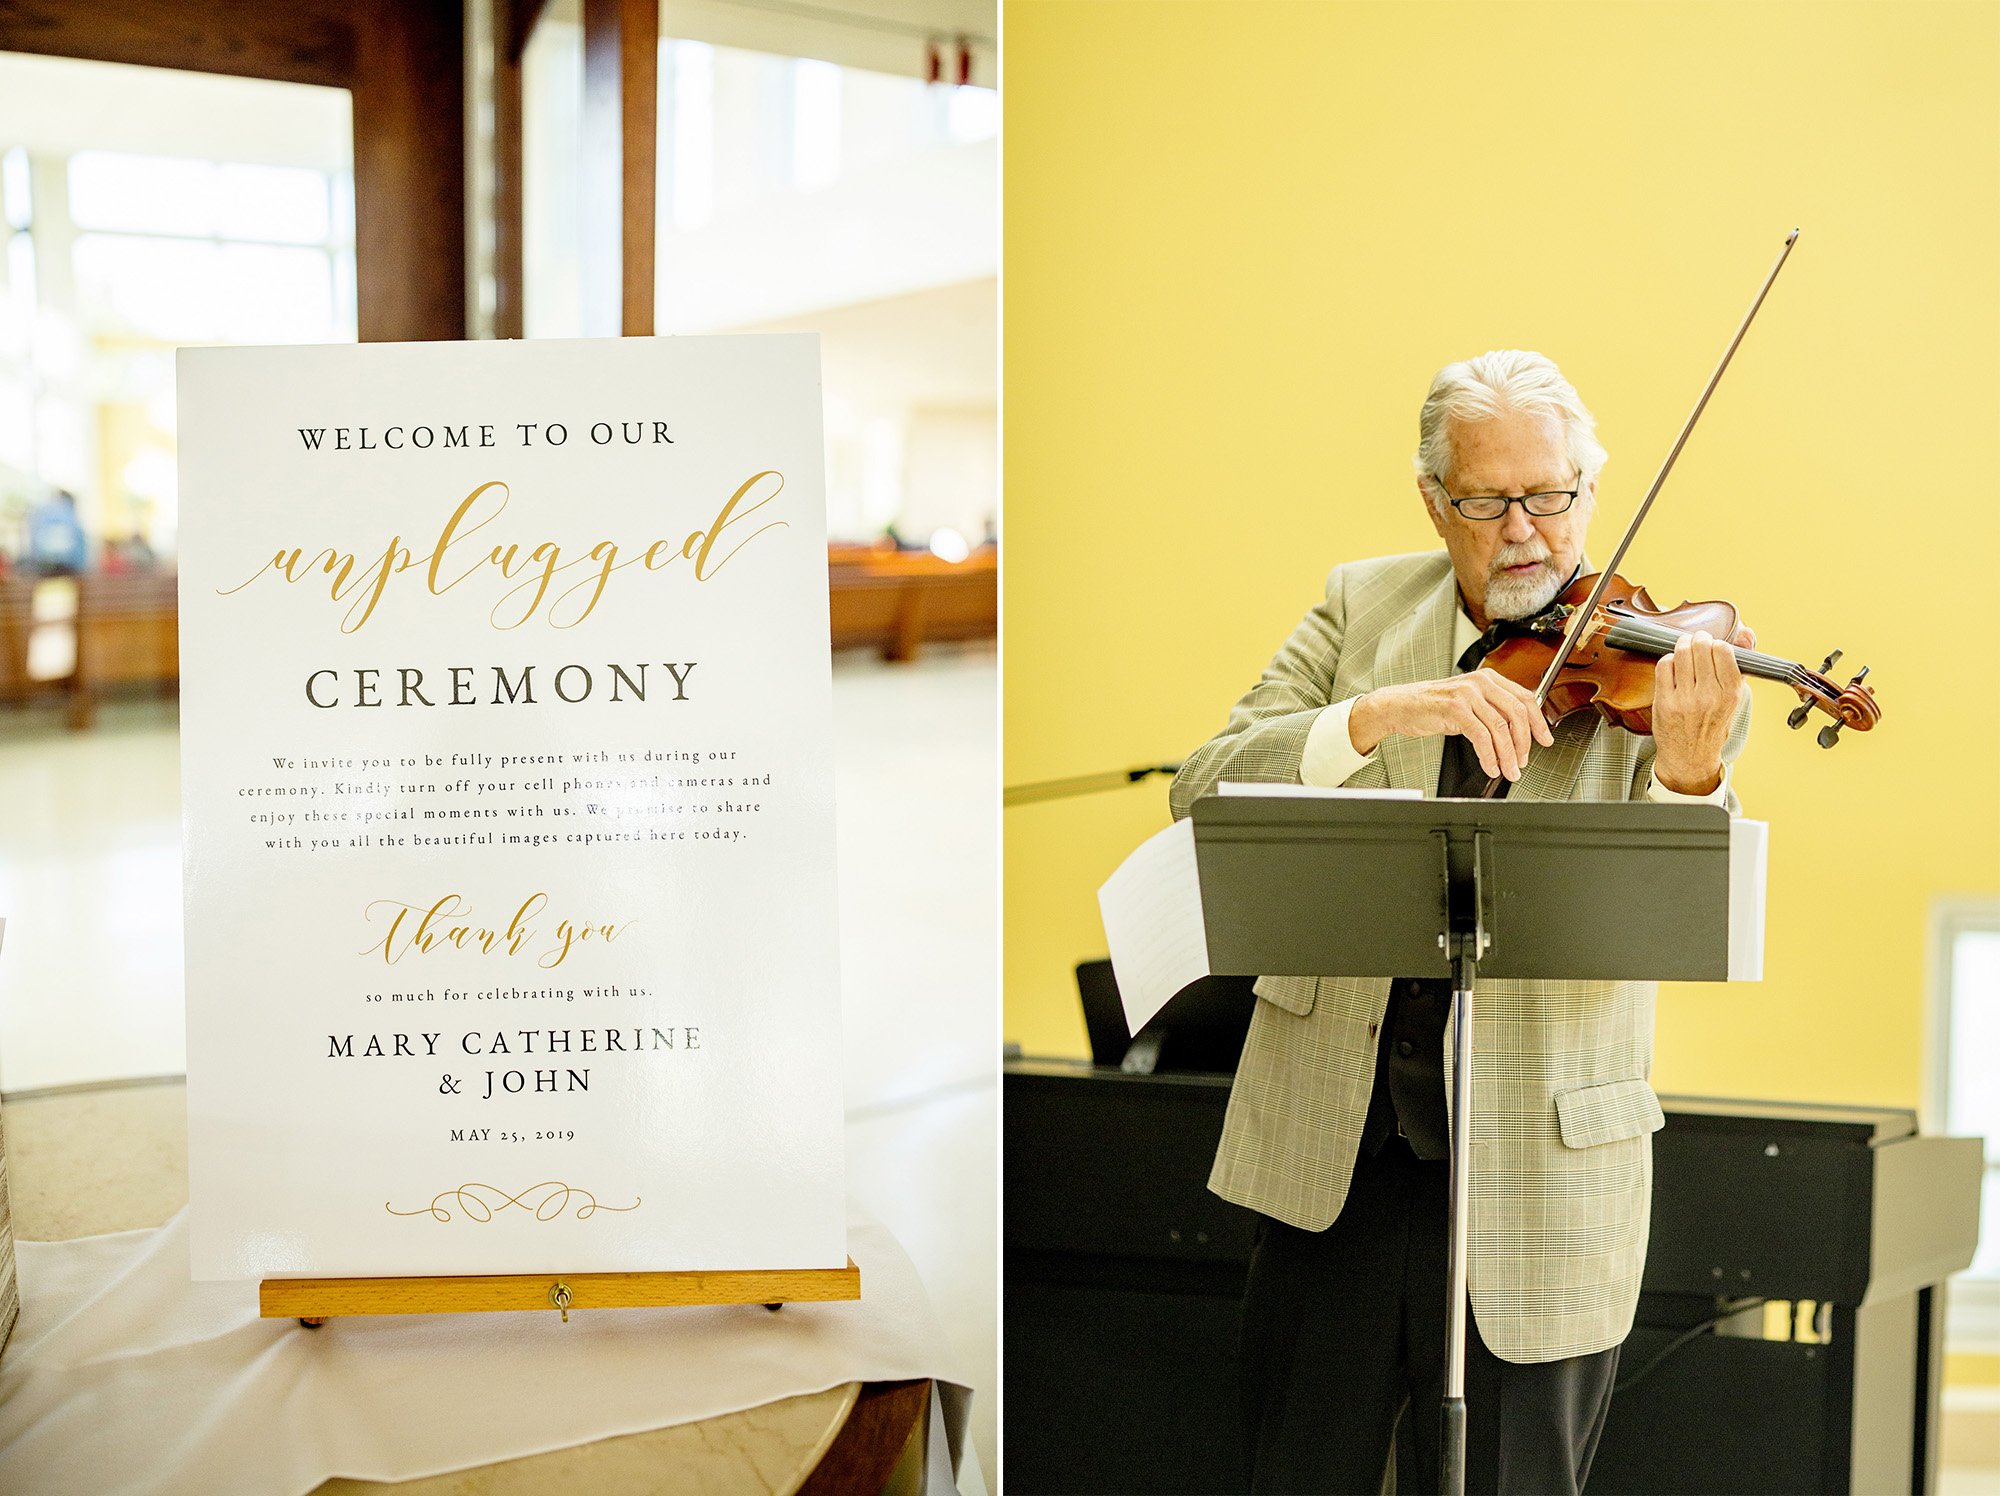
column 90, row 966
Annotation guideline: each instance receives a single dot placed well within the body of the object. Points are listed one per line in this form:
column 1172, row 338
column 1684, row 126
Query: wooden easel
column 312, row 1301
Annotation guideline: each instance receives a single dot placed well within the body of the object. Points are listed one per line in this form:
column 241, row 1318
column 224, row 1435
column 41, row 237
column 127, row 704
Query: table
column 88, row 1160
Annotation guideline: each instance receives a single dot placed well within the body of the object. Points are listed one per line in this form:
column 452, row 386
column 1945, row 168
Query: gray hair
column 1478, row 389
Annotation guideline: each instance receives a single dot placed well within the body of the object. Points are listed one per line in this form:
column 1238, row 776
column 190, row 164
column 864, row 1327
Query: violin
column 1609, row 669
column 1594, row 648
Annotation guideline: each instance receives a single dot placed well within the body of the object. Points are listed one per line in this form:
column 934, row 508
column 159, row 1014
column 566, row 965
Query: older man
column 1336, row 1130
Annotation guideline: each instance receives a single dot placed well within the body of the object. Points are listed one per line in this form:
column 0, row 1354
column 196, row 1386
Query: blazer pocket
column 1605, row 1114
column 1293, row 994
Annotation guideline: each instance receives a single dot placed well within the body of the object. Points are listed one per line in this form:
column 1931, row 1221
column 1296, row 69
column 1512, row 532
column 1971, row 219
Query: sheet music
column 1748, row 845
column 1153, row 923
column 1310, row 791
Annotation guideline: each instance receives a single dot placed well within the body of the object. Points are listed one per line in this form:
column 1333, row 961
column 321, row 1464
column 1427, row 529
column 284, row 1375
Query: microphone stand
column 1081, row 784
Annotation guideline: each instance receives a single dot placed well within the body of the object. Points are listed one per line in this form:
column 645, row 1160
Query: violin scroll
column 1854, row 706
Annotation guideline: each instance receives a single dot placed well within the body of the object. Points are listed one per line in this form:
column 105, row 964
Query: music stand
column 1551, row 890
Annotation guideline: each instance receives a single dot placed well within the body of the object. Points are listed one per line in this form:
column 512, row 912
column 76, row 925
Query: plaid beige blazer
column 1563, row 1115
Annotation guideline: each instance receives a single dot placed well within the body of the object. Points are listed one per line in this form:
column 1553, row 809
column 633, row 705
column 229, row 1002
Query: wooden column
column 409, row 170
column 513, row 23
column 621, row 77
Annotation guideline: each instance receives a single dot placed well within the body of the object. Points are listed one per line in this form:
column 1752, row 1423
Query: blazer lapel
column 1419, row 648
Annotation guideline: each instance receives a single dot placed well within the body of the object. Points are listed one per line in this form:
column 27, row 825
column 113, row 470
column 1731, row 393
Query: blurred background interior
column 505, row 170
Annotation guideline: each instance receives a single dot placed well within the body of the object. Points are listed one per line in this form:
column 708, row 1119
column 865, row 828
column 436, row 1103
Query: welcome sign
column 508, row 809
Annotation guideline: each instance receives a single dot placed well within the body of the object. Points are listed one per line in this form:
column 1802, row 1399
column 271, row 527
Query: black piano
column 1789, row 1336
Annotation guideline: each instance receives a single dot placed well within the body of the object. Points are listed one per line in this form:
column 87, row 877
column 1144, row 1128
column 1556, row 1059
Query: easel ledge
column 313, row 1299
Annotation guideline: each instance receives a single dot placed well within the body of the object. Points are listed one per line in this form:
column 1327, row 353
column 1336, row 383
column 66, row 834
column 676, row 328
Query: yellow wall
column 1239, row 239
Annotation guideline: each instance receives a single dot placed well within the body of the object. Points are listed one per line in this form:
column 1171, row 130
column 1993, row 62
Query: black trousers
column 1343, row 1335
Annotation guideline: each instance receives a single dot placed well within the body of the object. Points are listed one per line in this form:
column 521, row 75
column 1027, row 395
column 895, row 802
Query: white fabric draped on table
column 124, row 1376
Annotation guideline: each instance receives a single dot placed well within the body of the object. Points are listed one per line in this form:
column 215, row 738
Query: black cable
column 1738, row 1307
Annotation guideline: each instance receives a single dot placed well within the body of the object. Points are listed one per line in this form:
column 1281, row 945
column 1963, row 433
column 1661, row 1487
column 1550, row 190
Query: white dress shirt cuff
column 1330, row 760
column 1659, row 793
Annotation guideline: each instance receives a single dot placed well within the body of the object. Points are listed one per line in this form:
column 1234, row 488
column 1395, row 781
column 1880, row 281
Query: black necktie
column 1459, row 774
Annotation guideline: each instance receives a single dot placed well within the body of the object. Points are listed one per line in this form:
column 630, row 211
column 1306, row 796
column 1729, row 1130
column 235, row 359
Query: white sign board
column 505, row 731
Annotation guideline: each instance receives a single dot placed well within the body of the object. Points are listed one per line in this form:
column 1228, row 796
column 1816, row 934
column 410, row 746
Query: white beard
column 1522, row 596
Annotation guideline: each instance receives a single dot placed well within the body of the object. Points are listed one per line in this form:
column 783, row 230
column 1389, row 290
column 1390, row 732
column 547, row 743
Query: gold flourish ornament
column 472, row 1199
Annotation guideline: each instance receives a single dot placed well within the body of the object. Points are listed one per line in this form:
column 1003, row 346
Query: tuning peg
column 1861, row 677
column 1799, row 714
column 1831, row 660
column 1829, row 735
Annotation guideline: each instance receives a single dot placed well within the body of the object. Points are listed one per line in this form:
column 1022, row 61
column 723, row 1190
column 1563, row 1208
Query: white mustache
column 1520, row 555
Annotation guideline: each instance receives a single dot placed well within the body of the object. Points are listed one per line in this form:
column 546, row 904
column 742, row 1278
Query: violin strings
column 1753, row 662
column 1660, row 637
column 1661, row 634
column 1666, row 638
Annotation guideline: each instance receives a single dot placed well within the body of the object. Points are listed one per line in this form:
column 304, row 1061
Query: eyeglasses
column 1493, row 506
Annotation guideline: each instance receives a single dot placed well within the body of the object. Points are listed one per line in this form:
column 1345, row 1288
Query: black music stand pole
column 1467, row 946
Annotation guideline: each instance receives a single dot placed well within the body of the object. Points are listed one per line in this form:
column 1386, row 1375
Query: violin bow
column 1588, row 609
